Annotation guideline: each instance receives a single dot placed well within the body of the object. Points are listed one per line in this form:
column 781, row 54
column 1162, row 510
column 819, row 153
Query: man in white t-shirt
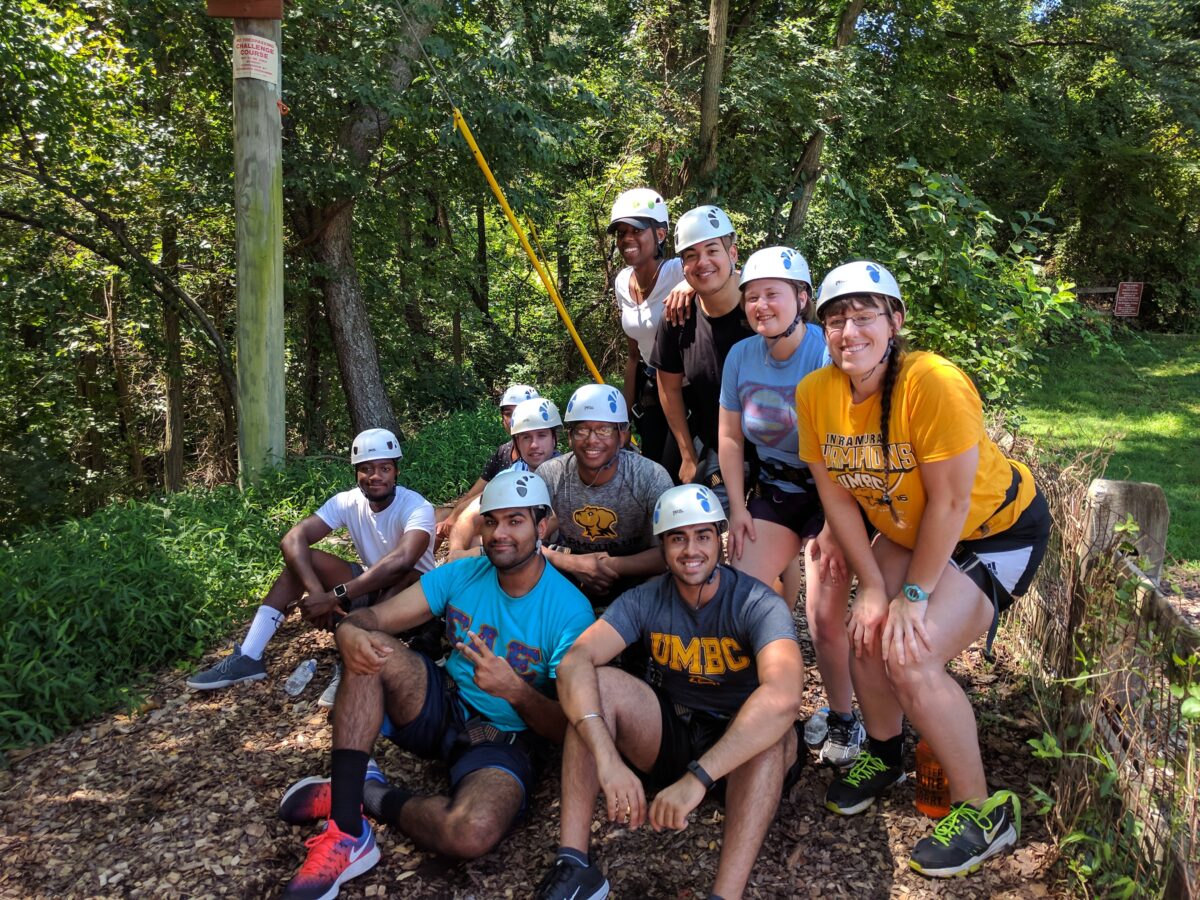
column 391, row 528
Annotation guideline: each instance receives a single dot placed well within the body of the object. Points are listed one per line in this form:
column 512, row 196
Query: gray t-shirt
column 612, row 518
column 705, row 659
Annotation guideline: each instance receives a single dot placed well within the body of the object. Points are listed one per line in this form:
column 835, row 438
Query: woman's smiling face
column 858, row 331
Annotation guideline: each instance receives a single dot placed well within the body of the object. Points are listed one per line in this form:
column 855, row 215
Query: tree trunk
column 173, row 365
column 125, row 413
column 353, row 341
column 809, row 167
column 480, row 293
column 710, row 96
column 314, row 422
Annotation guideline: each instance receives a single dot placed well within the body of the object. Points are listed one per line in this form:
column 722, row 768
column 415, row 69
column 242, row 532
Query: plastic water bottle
column 933, row 790
column 816, row 729
column 299, row 679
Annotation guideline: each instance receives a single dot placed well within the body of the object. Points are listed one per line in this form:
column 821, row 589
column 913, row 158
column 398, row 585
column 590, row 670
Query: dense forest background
column 993, row 153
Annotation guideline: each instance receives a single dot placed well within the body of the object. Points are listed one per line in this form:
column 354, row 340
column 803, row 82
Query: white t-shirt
column 376, row 534
column 640, row 320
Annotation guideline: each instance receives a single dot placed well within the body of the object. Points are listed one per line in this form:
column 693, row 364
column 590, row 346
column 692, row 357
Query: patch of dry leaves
column 179, row 800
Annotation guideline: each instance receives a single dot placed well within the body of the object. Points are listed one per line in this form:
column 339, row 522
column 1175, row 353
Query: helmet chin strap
column 789, row 331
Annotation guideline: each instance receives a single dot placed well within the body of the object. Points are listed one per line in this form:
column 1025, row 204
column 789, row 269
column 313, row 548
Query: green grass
column 1149, row 402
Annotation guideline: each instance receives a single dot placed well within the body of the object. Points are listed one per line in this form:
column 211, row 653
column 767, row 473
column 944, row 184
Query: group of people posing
column 785, row 438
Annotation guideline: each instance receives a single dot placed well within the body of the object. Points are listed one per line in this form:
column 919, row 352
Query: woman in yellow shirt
column 961, row 532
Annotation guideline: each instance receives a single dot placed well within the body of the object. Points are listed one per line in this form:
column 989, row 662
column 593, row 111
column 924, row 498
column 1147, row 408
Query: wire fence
column 1116, row 674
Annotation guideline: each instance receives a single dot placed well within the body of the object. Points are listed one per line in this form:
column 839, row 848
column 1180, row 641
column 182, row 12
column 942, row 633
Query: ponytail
column 896, row 346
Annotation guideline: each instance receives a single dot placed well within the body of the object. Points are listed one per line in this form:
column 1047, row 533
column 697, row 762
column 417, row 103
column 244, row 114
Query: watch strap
column 702, row 776
column 915, row 593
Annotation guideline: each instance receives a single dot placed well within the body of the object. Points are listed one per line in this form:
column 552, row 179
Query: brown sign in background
column 1129, row 298
column 246, row 9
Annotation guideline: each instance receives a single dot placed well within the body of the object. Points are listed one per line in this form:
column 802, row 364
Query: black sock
column 391, row 804
column 346, row 789
column 891, row 751
column 573, row 856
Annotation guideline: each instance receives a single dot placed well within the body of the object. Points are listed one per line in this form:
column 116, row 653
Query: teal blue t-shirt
column 532, row 633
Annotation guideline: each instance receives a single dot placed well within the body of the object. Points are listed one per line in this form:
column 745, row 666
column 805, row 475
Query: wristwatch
column 340, row 592
column 915, row 593
column 703, row 777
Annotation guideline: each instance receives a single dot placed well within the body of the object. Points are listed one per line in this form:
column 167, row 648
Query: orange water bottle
column 933, row 790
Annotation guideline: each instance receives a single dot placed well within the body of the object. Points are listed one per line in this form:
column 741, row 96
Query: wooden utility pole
column 258, row 190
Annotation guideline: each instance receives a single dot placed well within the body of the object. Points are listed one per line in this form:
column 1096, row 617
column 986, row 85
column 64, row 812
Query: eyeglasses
column 860, row 320
column 583, row 432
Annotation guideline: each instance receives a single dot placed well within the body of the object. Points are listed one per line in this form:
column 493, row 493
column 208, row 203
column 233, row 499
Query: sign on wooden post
column 1129, row 299
column 258, row 209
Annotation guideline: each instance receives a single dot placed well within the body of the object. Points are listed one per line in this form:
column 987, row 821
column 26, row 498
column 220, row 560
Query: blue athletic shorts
column 440, row 732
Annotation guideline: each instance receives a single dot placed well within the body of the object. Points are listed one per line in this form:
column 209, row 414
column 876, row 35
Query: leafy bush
column 974, row 294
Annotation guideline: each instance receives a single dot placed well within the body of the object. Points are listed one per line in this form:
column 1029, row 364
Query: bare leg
column 631, row 712
column 471, row 822
column 770, row 555
column 957, row 614
column 464, row 536
column 825, row 606
column 400, row 685
column 751, row 798
column 287, row 589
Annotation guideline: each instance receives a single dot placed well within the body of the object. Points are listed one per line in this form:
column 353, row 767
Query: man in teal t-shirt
column 511, row 618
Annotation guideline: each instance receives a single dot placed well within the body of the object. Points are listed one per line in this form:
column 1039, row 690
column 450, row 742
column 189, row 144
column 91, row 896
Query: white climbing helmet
column 374, row 443
column 530, row 415
column 776, row 262
column 636, row 207
column 687, row 504
column 699, row 225
column 512, row 489
column 515, row 393
column 597, row 403
column 860, row 277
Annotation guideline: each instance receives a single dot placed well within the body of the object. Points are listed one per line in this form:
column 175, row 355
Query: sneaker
column 967, row 836
column 567, row 881
column 330, row 693
column 333, row 857
column 857, row 789
column 844, row 741
column 816, row 728
column 308, row 799
column 232, row 669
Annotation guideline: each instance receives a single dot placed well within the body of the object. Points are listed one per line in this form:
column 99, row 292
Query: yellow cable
column 462, row 126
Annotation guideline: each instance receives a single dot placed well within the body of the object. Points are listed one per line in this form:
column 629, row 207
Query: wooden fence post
column 1111, row 502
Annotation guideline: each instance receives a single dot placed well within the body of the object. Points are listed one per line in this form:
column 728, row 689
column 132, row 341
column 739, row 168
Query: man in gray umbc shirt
column 726, row 675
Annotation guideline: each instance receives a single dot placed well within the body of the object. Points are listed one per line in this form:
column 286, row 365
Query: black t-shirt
column 697, row 350
column 502, row 459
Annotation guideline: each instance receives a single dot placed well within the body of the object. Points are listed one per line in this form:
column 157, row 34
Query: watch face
column 914, row 593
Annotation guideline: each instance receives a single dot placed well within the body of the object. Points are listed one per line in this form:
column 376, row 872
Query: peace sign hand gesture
column 493, row 675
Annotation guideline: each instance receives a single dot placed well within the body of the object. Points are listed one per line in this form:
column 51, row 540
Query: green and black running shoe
column 857, row 789
column 967, row 836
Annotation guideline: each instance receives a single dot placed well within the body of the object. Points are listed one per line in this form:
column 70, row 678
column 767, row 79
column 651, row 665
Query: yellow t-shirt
column 936, row 414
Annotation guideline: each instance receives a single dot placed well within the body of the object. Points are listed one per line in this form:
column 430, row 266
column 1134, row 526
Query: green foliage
column 97, row 604
column 976, row 294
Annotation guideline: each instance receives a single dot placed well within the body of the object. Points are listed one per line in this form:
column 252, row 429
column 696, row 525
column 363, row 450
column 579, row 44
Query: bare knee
column 470, row 833
column 911, row 679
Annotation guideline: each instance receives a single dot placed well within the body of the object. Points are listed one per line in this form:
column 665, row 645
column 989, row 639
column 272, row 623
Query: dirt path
column 180, row 801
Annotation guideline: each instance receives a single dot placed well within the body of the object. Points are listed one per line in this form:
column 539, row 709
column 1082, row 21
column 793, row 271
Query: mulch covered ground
column 180, row 799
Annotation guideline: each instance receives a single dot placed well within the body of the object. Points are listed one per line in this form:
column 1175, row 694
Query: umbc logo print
column 598, row 522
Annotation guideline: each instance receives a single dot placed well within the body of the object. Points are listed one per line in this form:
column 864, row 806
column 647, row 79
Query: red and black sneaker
column 334, row 857
column 308, row 799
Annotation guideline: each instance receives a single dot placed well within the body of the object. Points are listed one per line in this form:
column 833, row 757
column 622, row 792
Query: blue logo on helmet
column 544, row 409
column 657, row 507
column 786, row 256
column 612, row 401
column 570, row 404
column 873, row 271
column 702, row 496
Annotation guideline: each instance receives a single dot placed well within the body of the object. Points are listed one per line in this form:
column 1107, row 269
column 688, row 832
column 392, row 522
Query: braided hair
column 896, row 346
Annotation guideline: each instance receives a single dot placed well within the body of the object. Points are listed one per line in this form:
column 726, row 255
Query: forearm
column 465, row 500
column 543, row 715
column 631, row 374
column 731, row 454
column 579, row 694
column 939, row 533
column 639, row 565
column 564, row 562
column 670, row 396
column 763, row 719
column 383, row 574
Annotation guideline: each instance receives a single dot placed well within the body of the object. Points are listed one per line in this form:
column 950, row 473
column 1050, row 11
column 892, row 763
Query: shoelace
column 840, row 732
column 865, row 767
column 952, row 824
column 323, row 852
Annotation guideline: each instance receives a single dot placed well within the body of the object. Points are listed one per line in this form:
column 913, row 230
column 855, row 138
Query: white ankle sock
column 262, row 629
